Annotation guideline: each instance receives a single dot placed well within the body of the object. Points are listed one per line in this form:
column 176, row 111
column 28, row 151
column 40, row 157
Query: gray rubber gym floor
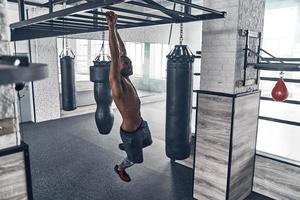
column 70, row 160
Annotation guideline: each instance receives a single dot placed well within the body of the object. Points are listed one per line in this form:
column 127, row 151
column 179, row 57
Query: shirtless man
column 134, row 131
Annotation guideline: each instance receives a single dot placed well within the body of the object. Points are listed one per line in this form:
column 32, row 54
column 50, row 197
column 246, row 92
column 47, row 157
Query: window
column 281, row 38
column 87, row 50
column 96, row 48
column 82, row 60
column 135, row 51
column 158, row 60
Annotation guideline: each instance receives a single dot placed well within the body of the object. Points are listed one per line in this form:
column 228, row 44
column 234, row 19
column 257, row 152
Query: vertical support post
column 32, row 84
column 246, row 57
column 187, row 9
column 95, row 20
column 21, row 5
column 27, row 170
column 258, row 58
column 50, row 6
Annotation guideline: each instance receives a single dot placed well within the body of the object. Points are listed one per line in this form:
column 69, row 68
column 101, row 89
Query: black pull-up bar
column 85, row 18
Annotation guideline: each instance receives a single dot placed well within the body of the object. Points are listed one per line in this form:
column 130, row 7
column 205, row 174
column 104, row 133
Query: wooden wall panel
column 13, row 177
column 243, row 146
column 225, row 145
column 212, row 146
column 276, row 179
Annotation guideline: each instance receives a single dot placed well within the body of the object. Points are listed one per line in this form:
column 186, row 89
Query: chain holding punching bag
column 67, row 70
column 179, row 102
column 99, row 74
column 280, row 92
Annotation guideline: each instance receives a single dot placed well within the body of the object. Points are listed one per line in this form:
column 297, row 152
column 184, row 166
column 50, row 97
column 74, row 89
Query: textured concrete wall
column 4, row 29
column 250, row 17
column 46, row 92
column 219, row 41
column 222, row 62
column 9, row 131
column 12, row 168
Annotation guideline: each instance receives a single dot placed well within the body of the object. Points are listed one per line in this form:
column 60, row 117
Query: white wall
column 46, row 92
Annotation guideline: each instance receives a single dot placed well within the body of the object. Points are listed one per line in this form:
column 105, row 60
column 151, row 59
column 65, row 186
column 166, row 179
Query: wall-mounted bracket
column 271, row 62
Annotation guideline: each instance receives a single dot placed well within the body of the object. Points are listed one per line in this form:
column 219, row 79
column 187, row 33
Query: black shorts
column 135, row 141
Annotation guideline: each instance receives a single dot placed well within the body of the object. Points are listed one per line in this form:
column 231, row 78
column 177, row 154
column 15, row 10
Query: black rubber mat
column 71, row 161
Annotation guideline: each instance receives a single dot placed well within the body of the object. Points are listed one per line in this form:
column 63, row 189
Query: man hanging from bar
column 134, row 131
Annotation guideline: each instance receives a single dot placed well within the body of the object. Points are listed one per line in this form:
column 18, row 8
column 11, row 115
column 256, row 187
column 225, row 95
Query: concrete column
column 46, row 92
column 227, row 110
column 12, row 164
column 8, row 113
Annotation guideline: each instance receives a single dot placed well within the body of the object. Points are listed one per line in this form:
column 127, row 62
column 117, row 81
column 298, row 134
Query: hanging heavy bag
column 68, row 87
column 179, row 102
column 67, row 71
column 99, row 74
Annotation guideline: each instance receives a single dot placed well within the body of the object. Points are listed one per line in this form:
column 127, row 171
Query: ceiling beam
column 29, row 3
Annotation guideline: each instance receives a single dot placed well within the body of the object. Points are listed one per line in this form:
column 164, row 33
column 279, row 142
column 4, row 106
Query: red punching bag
column 280, row 92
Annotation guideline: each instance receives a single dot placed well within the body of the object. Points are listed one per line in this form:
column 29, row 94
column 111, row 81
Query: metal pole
column 246, row 57
column 32, row 85
column 50, row 6
column 188, row 9
column 21, row 6
column 258, row 58
column 95, row 20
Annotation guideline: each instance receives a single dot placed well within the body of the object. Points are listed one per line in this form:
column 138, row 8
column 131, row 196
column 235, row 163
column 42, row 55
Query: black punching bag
column 104, row 117
column 68, row 90
column 179, row 102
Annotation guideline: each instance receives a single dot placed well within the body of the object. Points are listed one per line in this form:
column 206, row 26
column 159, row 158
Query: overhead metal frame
column 85, row 18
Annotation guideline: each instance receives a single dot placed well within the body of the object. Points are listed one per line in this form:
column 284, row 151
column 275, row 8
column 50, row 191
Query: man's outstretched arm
column 114, row 73
column 122, row 47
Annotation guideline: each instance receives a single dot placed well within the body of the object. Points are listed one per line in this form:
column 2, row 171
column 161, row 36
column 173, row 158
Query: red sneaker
column 122, row 174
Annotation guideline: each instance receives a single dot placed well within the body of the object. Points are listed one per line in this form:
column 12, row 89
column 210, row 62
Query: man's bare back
column 129, row 106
